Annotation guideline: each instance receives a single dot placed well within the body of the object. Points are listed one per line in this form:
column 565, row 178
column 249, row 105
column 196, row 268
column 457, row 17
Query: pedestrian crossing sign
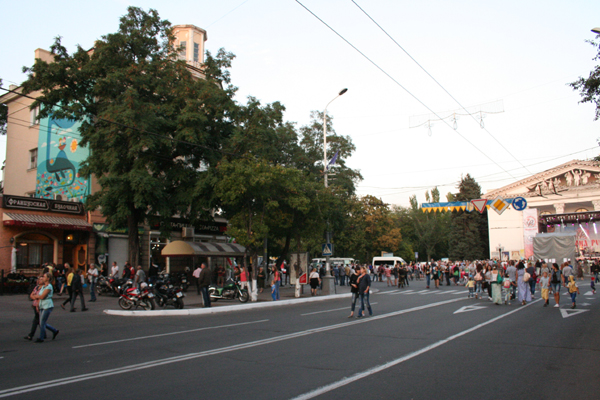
column 327, row 249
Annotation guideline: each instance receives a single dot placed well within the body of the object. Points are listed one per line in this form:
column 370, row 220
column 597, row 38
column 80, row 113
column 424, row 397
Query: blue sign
column 327, row 250
column 519, row 203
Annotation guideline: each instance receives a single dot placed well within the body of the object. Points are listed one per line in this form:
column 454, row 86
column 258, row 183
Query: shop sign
column 35, row 204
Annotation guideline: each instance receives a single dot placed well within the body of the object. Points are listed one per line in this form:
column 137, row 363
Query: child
column 273, row 290
column 593, row 284
column 573, row 289
column 545, row 285
column 471, row 285
column 506, row 285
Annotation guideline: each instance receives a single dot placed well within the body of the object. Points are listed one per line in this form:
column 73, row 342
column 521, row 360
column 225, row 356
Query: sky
column 506, row 63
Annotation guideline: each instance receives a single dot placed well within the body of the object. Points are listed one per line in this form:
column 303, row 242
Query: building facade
column 561, row 199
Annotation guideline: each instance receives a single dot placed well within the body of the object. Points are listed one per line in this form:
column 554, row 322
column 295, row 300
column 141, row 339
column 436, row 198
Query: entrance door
column 80, row 256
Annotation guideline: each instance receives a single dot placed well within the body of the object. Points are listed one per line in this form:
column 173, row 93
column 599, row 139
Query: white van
column 377, row 261
column 334, row 261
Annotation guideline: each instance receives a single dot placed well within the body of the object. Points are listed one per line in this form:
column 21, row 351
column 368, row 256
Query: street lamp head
column 346, row 89
column 596, row 30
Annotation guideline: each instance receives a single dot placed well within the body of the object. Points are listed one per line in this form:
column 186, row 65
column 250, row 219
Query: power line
column 405, row 89
column 439, row 84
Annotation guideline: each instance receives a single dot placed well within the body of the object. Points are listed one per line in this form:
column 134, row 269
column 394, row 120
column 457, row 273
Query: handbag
column 526, row 276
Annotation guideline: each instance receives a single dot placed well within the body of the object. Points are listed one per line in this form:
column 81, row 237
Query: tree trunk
column 286, row 249
column 133, row 238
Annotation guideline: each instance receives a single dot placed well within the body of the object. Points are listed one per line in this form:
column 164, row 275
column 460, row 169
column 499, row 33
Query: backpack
column 555, row 277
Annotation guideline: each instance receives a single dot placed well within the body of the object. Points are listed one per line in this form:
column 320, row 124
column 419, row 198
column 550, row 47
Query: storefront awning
column 47, row 222
column 179, row 248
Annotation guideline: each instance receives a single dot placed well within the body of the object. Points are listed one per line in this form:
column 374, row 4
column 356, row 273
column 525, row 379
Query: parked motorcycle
column 103, row 286
column 230, row 291
column 134, row 298
column 182, row 280
column 168, row 295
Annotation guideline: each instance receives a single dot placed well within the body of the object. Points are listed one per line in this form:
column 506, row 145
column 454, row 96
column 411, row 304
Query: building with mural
column 43, row 218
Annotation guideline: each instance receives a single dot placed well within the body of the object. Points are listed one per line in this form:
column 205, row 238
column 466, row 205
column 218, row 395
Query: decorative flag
column 333, row 160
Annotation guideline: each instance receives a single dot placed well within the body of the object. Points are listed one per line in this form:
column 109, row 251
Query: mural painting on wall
column 59, row 158
column 559, row 183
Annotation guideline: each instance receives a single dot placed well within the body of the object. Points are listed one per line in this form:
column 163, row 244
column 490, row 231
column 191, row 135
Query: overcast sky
column 511, row 60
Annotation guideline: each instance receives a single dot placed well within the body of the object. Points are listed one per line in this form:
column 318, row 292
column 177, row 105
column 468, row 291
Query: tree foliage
column 468, row 230
column 589, row 88
column 153, row 129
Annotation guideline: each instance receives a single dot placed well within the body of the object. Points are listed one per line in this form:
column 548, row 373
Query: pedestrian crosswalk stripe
column 446, row 291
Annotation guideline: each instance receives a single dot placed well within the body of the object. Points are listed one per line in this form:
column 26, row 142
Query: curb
column 224, row 309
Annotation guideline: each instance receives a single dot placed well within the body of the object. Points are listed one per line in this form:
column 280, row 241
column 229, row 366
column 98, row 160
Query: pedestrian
column 595, row 269
column 511, row 270
column 507, row 285
column 273, row 290
column 152, row 273
column 455, row 274
column 496, row 283
column 522, row 282
column 139, row 278
column 593, row 284
column 427, row 275
column 395, row 271
column 555, row 281
column 402, row 277
column 69, row 273
column 61, row 279
column 77, row 287
column 114, row 270
column 277, row 278
column 46, row 305
column 196, row 275
column 261, row 278
column 573, row 290
column 244, row 279
column 388, row 275
column 545, row 287
column 435, row 275
column 342, row 273
column 204, row 282
column 354, row 291
column 364, row 285
column 336, row 274
column 93, row 278
column 35, row 306
column 471, row 286
column 479, row 278
column 315, row 281
column 531, row 270
column 567, row 271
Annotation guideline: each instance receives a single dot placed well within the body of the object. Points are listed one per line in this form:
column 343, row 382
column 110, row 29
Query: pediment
column 575, row 175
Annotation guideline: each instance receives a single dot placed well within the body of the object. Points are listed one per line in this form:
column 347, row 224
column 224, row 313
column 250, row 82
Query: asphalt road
column 419, row 344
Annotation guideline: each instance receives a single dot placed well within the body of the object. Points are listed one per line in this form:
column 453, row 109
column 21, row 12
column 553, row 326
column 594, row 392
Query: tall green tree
column 430, row 232
column 152, row 129
column 468, row 230
column 589, row 88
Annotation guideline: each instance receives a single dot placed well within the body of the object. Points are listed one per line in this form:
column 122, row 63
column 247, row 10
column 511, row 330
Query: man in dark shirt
column 364, row 285
column 354, row 290
column 204, row 282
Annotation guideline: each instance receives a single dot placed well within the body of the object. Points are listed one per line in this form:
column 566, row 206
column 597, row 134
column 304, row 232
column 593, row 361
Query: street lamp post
column 328, row 281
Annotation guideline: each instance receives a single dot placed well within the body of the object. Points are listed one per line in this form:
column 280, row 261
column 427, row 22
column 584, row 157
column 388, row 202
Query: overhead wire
column 438, row 83
column 404, row 88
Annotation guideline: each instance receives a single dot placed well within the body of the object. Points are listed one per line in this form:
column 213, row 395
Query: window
column 196, row 51
column 33, row 114
column 581, row 210
column 33, row 153
column 182, row 49
column 33, row 250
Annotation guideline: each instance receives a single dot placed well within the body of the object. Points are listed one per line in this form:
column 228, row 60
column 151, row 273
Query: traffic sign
column 479, row 204
column 499, row 205
column 327, row 249
column 519, row 203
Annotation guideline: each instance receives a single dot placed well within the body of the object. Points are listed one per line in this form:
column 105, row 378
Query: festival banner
column 530, row 229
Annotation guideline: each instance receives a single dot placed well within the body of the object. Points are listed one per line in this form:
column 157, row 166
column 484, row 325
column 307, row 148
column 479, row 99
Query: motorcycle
column 230, row 291
column 134, row 297
column 182, row 280
column 168, row 295
column 103, row 286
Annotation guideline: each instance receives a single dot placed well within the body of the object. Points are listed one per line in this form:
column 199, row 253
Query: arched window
column 581, row 210
column 33, row 250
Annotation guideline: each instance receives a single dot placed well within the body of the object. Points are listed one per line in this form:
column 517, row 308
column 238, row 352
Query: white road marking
column 167, row 334
column 446, row 291
column 408, row 292
column 354, row 378
column 463, row 292
column 590, row 293
column 326, row 311
column 391, row 291
column 566, row 313
column 191, row 356
column 469, row 308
